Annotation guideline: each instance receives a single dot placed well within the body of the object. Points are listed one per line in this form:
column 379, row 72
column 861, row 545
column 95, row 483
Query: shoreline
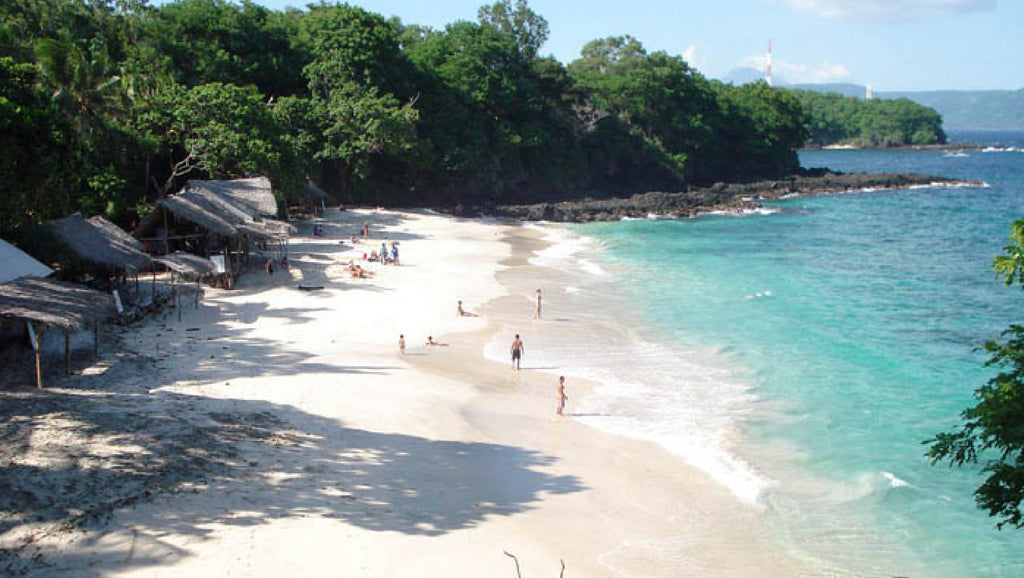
column 288, row 435
column 717, row 198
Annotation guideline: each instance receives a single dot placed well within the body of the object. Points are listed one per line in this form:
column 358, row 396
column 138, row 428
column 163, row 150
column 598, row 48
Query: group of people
column 384, row 256
column 517, row 349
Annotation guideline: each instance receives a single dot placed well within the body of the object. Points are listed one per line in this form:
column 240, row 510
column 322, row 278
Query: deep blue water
column 852, row 320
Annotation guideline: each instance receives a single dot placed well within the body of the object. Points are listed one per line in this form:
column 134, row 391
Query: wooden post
column 36, row 347
column 199, row 281
column 96, row 338
column 136, row 287
column 153, row 300
column 167, row 235
column 67, row 352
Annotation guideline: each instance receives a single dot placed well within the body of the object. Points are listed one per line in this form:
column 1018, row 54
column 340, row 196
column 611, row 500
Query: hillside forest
column 108, row 105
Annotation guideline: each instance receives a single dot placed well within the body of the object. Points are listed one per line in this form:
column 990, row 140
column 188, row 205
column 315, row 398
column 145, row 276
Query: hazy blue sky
column 891, row 44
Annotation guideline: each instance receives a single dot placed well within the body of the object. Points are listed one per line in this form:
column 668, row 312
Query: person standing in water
column 401, row 344
column 517, row 351
column 536, row 313
column 561, row 395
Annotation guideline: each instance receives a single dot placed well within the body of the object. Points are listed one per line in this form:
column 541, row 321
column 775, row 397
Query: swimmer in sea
column 517, row 351
column 432, row 343
column 464, row 313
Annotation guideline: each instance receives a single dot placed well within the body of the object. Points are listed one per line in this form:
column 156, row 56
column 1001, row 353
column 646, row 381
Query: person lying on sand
column 464, row 313
column 358, row 272
column 431, row 342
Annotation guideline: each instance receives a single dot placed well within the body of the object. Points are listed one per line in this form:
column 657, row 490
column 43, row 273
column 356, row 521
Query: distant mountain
column 960, row 109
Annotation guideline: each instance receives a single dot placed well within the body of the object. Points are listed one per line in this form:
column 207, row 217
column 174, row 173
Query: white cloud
column 800, row 73
column 888, row 8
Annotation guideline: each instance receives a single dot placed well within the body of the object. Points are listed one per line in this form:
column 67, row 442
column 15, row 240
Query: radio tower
column 768, row 64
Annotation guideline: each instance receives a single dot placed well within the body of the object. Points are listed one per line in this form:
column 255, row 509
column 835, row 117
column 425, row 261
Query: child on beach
column 561, row 395
column 401, row 344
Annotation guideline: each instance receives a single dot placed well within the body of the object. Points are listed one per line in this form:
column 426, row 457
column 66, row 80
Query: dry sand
column 276, row 432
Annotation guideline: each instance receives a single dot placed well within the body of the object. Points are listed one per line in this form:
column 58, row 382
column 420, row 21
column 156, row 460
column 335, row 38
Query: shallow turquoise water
column 852, row 318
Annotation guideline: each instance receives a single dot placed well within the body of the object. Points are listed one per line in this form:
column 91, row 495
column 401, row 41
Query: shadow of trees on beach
column 106, row 441
column 249, row 462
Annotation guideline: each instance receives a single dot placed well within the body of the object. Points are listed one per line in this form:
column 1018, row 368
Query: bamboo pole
column 36, row 347
column 67, row 352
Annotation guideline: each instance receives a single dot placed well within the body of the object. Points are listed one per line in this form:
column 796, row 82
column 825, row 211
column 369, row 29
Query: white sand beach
column 275, row 431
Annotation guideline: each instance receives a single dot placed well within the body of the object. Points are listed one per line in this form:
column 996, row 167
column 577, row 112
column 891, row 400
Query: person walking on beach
column 366, row 229
column 561, row 395
column 383, row 253
column 517, row 351
column 394, row 253
column 536, row 313
column 401, row 344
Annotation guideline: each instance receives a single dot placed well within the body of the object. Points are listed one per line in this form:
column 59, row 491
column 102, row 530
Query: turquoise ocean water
column 802, row 354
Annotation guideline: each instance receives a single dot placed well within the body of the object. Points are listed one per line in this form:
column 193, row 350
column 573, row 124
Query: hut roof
column 54, row 303
column 220, row 214
column 16, row 263
column 201, row 210
column 99, row 241
column 315, row 191
column 188, row 264
column 254, row 195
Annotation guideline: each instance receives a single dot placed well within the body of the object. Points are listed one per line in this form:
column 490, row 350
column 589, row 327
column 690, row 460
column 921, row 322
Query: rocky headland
column 727, row 197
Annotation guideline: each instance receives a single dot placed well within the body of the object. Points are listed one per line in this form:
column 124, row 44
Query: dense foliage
column 993, row 429
column 107, row 105
column 838, row 119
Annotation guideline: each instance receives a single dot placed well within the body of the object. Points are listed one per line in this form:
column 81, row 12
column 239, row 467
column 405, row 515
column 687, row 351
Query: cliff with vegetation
column 107, row 105
column 845, row 120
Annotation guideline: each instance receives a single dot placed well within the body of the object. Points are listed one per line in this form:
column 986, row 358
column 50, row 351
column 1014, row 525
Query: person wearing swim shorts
column 517, row 351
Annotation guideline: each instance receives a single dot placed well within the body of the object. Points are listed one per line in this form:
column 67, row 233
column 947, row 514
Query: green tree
column 528, row 29
column 41, row 160
column 993, row 429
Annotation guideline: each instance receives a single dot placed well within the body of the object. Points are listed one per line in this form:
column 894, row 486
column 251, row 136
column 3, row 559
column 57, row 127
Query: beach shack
column 227, row 222
column 316, row 199
column 34, row 304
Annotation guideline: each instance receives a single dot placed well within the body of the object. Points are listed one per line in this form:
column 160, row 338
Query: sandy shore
column 277, row 431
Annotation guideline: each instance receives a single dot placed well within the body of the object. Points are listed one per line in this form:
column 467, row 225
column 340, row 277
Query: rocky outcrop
column 735, row 197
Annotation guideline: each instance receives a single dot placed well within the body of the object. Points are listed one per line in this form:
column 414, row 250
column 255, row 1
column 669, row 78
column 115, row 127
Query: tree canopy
column 107, row 105
column 837, row 119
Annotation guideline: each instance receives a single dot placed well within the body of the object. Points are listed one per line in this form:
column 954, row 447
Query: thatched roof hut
column 314, row 191
column 15, row 263
column 97, row 240
column 54, row 303
column 188, row 264
column 253, row 195
column 212, row 208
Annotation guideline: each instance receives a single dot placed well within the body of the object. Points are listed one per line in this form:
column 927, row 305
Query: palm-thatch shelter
column 100, row 242
column 253, row 195
column 56, row 304
column 210, row 218
column 316, row 198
